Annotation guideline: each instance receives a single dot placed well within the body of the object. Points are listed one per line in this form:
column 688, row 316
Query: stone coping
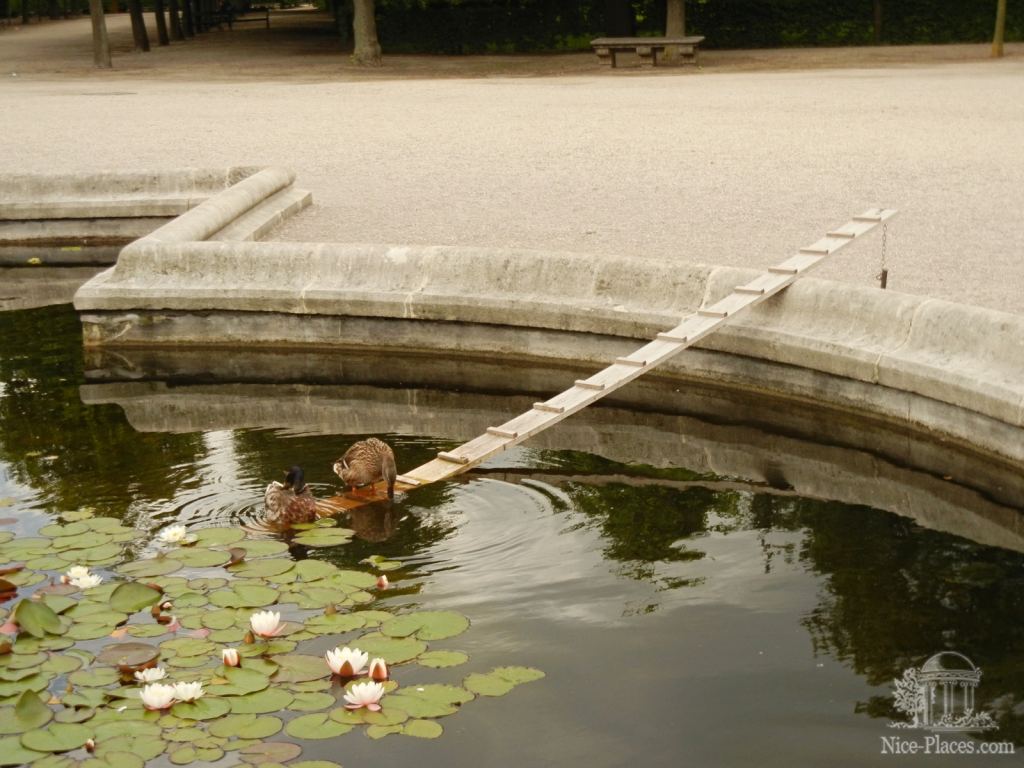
column 963, row 356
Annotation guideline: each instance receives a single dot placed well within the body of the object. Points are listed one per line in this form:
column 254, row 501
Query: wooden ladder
column 624, row 369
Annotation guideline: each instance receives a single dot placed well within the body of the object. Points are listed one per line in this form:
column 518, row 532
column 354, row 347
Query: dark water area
column 682, row 616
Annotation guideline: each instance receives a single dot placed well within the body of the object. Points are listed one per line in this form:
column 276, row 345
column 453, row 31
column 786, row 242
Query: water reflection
column 724, row 560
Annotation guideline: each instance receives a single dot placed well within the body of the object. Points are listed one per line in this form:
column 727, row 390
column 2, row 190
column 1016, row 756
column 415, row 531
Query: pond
column 680, row 615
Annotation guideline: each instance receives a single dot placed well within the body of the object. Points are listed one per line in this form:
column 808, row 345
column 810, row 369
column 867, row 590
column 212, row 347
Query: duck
column 290, row 502
column 365, row 463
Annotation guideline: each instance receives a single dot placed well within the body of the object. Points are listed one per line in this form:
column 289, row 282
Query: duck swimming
column 365, row 463
column 290, row 502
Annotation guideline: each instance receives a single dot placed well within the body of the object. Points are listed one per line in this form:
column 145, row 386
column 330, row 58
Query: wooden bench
column 217, row 18
column 256, row 14
column 647, row 48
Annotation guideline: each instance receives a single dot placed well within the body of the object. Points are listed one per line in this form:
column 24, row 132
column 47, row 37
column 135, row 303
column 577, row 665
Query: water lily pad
column 157, row 566
column 207, row 585
column 394, row 650
column 240, row 681
column 59, row 603
column 426, row 625
column 381, row 563
column 189, row 734
column 312, row 570
column 219, row 619
column 13, row 753
column 131, row 596
column 270, row 752
column 36, row 618
column 202, row 558
column 422, row 729
column 518, row 675
column 418, row 707
column 245, row 596
column 261, row 569
column 316, row 726
column 74, row 715
column 261, row 702
column 324, row 537
column 320, row 597
column 314, row 764
column 147, row 630
column 441, row 659
column 62, row 664
column 335, row 623
column 206, row 708
column 56, row 529
column 28, row 713
column 311, row 701
column 488, row 685
column 79, row 514
column 263, row 548
column 298, row 668
column 380, row 731
column 86, row 697
column 189, row 646
column 46, row 563
column 218, row 537
column 129, row 655
column 24, row 660
column 187, row 755
column 58, row 737
column 118, row 760
column 94, row 678
column 227, row 636
column 388, row 716
column 99, row 555
column 89, row 631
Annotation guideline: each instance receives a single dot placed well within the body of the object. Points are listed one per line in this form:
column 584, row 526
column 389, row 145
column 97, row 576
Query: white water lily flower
column 77, row 572
column 173, row 534
column 347, row 662
column 157, row 696
column 265, row 623
column 151, row 675
column 382, row 581
column 229, row 656
column 87, row 582
column 364, row 695
column 188, row 691
column 378, row 670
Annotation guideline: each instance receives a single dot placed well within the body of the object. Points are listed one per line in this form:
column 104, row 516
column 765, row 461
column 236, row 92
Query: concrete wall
column 953, row 369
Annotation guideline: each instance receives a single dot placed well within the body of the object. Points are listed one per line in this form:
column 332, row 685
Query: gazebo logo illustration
column 939, row 695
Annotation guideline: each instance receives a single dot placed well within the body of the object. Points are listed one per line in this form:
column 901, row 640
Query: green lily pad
column 335, row 623
column 59, row 603
column 36, row 618
column 324, row 537
column 187, row 755
column 311, row 701
column 518, row 675
column 422, row 729
column 316, row 726
column 190, row 646
column 246, row 727
column 261, row 702
column 207, row 585
column 76, row 515
column 13, row 753
column 419, row 707
column 89, row 631
column 381, row 563
column 488, row 685
column 46, row 563
column 380, row 731
column 245, row 596
column 228, row 636
column 241, row 681
column 313, row 570
column 202, row 558
column 62, row 664
column 94, row 678
column 314, row 764
column 261, row 569
column 129, row 655
column 206, row 708
column 388, row 716
column 147, row 630
column 58, row 737
column 97, row 555
column 86, row 697
column 263, row 548
column 441, row 659
column 270, row 752
column 394, row 650
column 218, row 537
column 28, row 713
column 56, row 530
column 189, row 734
column 426, row 625
column 157, row 566
column 298, row 668
column 74, row 715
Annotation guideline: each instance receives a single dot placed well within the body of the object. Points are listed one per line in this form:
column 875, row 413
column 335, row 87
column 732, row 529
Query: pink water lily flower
column 364, row 695
column 230, row 657
column 378, row 670
column 266, row 623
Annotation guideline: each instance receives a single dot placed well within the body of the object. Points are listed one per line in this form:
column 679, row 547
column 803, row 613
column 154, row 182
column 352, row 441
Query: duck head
column 295, row 479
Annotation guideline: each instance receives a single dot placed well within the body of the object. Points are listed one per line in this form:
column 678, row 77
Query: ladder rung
column 712, row 313
column 748, row 289
column 815, row 251
column 847, row 235
column 670, row 337
column 499, row 432
column 408, row 480
column 875, row 219
column 630, row 361
column 783, row 270
column 452, row 457
column 548, row 408
column 584, row 384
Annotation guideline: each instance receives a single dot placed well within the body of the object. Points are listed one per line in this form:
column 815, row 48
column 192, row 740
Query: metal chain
column 883, row 275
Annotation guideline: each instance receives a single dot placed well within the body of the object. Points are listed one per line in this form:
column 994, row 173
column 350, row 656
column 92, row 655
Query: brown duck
column 365, row 463
column 290, row 502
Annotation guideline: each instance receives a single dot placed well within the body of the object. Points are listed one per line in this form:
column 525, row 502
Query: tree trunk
column 161, row 23
column 366, row 50
column 619, row 20
column 25, row 11
column 174, row 11
column 100, row 44
column 876, row 23
column 675, row 26
column 997, row 38
column 139, row 33
column 190, row 22
column 53, row 9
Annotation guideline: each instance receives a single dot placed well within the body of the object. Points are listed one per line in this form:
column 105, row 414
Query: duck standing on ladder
column 365, row 463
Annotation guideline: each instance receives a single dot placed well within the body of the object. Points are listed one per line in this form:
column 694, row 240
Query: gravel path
column 725, row 165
